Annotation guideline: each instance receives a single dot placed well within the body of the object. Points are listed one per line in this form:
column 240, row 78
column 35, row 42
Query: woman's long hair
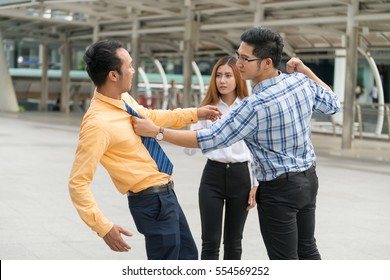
column 212, row 95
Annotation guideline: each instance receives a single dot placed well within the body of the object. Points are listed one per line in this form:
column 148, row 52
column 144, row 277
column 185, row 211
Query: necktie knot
column 130, row 110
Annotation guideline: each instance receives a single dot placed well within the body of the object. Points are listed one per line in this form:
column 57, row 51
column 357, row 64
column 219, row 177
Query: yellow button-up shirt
column 107, row 136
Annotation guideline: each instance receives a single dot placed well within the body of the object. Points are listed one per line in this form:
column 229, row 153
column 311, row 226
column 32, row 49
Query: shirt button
column 227, row 165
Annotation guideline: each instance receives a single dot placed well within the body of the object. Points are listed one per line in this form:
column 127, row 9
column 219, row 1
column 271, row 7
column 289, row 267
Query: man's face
column 127, row 69
column 249, row 70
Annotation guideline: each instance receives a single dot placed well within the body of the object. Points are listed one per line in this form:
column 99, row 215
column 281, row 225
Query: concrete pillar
column 188, row 55
column 8, row 100
column 65, row 78
column 95, row 33
column 43, row 58
column 135, row 46
column 340, row 64
column 95, row 38
column 350, row 77
column 11, row 56
column 258, row 16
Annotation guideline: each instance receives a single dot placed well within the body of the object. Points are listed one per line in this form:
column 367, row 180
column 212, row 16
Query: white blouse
column 238, row 152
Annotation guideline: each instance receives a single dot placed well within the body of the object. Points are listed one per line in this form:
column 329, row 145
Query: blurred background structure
column 346, row 42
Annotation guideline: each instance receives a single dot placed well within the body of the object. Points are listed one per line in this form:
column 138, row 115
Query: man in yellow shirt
column 107, row 136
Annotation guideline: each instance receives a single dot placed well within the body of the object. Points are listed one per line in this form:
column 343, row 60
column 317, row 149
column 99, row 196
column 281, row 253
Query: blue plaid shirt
column 275, row 123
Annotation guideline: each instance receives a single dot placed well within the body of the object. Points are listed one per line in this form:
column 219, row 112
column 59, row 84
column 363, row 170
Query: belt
column 290, row 174
column 153, row 190
column 224, row 164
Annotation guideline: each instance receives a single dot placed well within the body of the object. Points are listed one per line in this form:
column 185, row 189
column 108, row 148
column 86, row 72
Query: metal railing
column 366, row 115
column 366, row 122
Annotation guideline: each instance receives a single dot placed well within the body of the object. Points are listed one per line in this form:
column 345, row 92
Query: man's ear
column 113, row 75
column 268, row 63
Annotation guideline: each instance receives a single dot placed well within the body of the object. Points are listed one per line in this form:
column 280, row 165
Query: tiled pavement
column 38, row 220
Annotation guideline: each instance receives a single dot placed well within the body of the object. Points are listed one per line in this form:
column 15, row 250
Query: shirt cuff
column 103, row 228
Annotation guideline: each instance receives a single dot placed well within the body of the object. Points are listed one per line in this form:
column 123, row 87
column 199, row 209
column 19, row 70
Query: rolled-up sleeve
column 239, row 124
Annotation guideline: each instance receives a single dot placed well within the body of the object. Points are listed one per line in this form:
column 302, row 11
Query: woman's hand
column 251, row 199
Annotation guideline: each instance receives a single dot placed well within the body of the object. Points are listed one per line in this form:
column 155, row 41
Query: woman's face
column 225, row 81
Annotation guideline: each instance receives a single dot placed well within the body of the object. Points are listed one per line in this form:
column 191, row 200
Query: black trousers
column 286, row 209
column 223, row 183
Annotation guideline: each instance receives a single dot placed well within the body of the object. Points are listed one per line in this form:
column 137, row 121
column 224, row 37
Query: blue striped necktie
column 155, row 150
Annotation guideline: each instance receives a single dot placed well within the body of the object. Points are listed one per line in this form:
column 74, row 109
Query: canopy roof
column 307, row 26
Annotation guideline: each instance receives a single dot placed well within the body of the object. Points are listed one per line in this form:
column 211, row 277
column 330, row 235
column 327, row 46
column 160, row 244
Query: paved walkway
column 38, row 220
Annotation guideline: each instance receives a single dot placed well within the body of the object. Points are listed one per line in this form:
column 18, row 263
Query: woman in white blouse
column 226, row 179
